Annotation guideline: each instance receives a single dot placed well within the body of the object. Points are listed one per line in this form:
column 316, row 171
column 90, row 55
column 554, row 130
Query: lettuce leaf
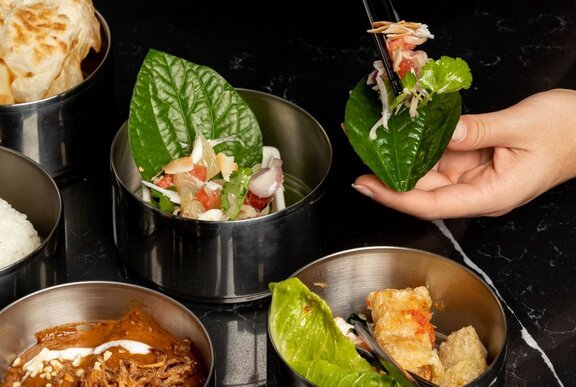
column 174, row 99
column 410, row 146
column 302, row 327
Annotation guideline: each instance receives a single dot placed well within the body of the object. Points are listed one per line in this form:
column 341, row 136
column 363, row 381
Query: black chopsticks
column 402, row 377
column 380, row 43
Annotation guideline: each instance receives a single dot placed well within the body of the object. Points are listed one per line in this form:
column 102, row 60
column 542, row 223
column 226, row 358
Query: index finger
column 443, row 202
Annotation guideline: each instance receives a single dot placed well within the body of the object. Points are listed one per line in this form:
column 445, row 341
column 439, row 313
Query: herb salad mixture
column 197, row 144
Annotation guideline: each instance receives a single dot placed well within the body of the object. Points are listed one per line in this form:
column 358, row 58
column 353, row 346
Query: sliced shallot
column 173, row 196
column 267, row 180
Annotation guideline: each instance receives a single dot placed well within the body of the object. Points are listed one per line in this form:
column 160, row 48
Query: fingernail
column 363, row 190
column 459, row 132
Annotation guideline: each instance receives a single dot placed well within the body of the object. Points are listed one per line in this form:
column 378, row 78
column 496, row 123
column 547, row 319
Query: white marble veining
column 526, row 336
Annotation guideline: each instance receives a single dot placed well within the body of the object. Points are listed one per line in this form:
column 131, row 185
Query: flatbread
column 43, row 43
column 6, row 96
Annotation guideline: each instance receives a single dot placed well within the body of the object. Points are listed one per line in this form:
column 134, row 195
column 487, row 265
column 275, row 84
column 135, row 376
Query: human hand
column 495, row 162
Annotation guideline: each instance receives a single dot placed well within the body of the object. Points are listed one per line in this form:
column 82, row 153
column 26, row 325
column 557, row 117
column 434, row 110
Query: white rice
column 18, row 237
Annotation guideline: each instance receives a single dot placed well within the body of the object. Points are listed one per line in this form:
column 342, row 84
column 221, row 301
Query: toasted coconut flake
column 226, row 165
column 180, row 165
column 402, row 29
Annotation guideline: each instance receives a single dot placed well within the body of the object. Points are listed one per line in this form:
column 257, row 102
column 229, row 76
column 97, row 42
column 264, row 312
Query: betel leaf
column 174, row 99
column 301, row 326
column 409, row 147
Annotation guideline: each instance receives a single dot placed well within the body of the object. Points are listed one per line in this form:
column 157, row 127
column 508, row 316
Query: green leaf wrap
column 174, row 99
column 405, row 151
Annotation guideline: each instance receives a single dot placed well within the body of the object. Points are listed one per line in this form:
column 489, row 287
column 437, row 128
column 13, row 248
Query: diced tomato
column 208, row 199
column 199, row 171
column 405, row 66
column 394, row 44
column 256, row 201
column 166, row 181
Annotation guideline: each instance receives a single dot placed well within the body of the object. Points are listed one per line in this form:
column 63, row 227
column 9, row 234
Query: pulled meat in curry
column 132, row 351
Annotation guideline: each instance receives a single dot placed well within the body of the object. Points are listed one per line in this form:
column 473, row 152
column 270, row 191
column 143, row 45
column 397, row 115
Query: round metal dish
column 92, row 301
column 30, row 189
column 59, row 131
column 227, row 261
column 352, row 274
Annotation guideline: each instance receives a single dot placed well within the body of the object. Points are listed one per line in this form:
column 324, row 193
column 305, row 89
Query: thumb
column 477, row 131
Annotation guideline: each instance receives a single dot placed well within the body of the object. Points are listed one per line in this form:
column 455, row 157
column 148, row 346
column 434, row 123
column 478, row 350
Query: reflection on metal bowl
column 93, row 301
column 59, row 131
column 351, row 275
column 228, row 261
column 30, row 190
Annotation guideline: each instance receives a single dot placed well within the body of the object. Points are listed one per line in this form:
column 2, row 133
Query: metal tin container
column 228, row 261
column 60, row 131
column 92, row 301
column 352, row 274
column 30, row 190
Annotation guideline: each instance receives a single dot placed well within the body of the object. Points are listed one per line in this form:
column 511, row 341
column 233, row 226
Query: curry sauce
column 132, row 351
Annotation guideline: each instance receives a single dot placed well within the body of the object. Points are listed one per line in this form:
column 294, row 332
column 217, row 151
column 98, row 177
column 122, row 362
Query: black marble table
column 312, row 53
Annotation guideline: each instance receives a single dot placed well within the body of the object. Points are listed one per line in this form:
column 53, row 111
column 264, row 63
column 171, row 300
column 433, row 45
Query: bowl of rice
column 31, row 227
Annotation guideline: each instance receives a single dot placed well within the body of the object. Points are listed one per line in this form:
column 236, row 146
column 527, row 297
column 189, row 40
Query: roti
column 42, row 45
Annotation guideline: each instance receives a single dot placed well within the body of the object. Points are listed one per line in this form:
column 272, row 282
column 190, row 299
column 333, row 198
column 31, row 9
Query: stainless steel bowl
column 30, row 189
column 59, row 131
column 228, row 261
column 92, row 301
column 352, row 274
